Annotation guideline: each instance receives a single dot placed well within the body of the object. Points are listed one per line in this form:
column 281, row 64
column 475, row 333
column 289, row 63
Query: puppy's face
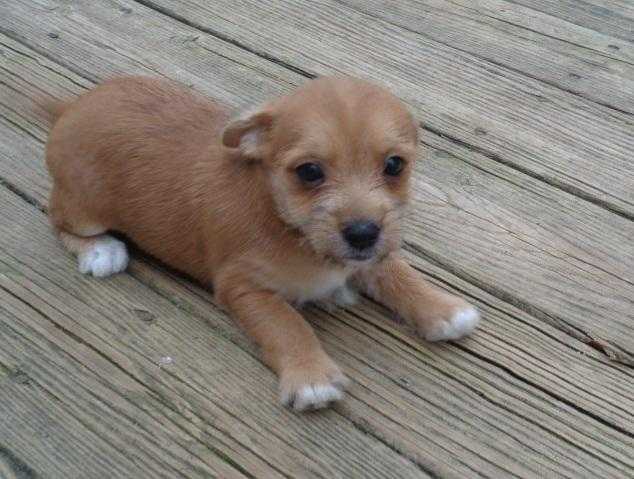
column 339, row 155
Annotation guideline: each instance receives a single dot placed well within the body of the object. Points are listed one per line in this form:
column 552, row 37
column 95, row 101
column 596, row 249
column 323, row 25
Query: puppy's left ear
column 248, row 133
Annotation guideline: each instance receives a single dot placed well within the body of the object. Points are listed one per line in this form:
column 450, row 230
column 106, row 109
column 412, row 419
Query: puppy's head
column 338, row 154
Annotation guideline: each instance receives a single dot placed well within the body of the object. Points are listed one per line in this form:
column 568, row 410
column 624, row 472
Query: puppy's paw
column 105, row 256
column 312, row 397
column 341, row 297
column 462, row 322
column 344, row 296
column 311, row 388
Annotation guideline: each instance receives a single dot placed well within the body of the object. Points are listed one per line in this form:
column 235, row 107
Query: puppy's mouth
column 355, row 244
column 360, row 255
column 352, row 258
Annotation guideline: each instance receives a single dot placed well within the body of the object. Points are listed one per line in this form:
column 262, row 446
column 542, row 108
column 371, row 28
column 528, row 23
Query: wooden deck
column 524, row 203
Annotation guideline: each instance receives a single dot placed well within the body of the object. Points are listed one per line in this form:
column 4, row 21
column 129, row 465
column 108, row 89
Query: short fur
column 217, row 196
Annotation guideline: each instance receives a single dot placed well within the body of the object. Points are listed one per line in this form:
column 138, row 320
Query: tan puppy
column 280, row 206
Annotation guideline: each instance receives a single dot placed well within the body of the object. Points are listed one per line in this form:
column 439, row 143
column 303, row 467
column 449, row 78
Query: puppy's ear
column 248, row 132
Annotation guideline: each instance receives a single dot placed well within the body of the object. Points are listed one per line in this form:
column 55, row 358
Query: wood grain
column 614, row 18
column 561, row 34
column 576, row 70
column 70, row 413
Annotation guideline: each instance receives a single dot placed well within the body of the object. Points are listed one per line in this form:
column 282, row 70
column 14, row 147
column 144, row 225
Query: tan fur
column 218, row 198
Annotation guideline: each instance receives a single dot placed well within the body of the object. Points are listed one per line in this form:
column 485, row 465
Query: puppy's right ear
column 248, row 132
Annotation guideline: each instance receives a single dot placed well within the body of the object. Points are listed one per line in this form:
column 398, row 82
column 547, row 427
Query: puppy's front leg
column 309, row 379
column 436, row 314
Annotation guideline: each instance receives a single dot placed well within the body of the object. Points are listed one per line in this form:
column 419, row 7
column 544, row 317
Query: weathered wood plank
column 575, row 257
column 563, row 139
column 579, row 71
column 87, row 40
column 80, row 416
column 378, row 394
column 222, row 393
column 547, row 253
column 614, row 18
column 561, row 34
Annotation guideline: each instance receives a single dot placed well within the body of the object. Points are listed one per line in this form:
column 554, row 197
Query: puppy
column 286, row 204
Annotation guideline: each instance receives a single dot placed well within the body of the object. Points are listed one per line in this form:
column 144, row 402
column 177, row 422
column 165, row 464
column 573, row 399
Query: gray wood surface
column 542, row 390
column 613, row 18
column 572, row 68
column 558, row 33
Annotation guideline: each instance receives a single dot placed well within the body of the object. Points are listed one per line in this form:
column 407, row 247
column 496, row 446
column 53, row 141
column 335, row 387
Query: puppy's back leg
column 97, row 253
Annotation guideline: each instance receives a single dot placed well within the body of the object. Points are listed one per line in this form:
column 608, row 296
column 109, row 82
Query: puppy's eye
column 310, row 173
column 393, row 166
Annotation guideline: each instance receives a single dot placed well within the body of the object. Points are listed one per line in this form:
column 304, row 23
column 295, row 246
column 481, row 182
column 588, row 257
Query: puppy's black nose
column 361, row 234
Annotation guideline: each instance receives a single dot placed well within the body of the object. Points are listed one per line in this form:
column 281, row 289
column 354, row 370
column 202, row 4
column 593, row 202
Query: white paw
column 344, row 296
column 314, row 396
column 104, row 257
column 461, row 324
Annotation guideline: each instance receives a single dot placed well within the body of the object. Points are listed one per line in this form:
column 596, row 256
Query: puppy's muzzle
column 361, row 235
